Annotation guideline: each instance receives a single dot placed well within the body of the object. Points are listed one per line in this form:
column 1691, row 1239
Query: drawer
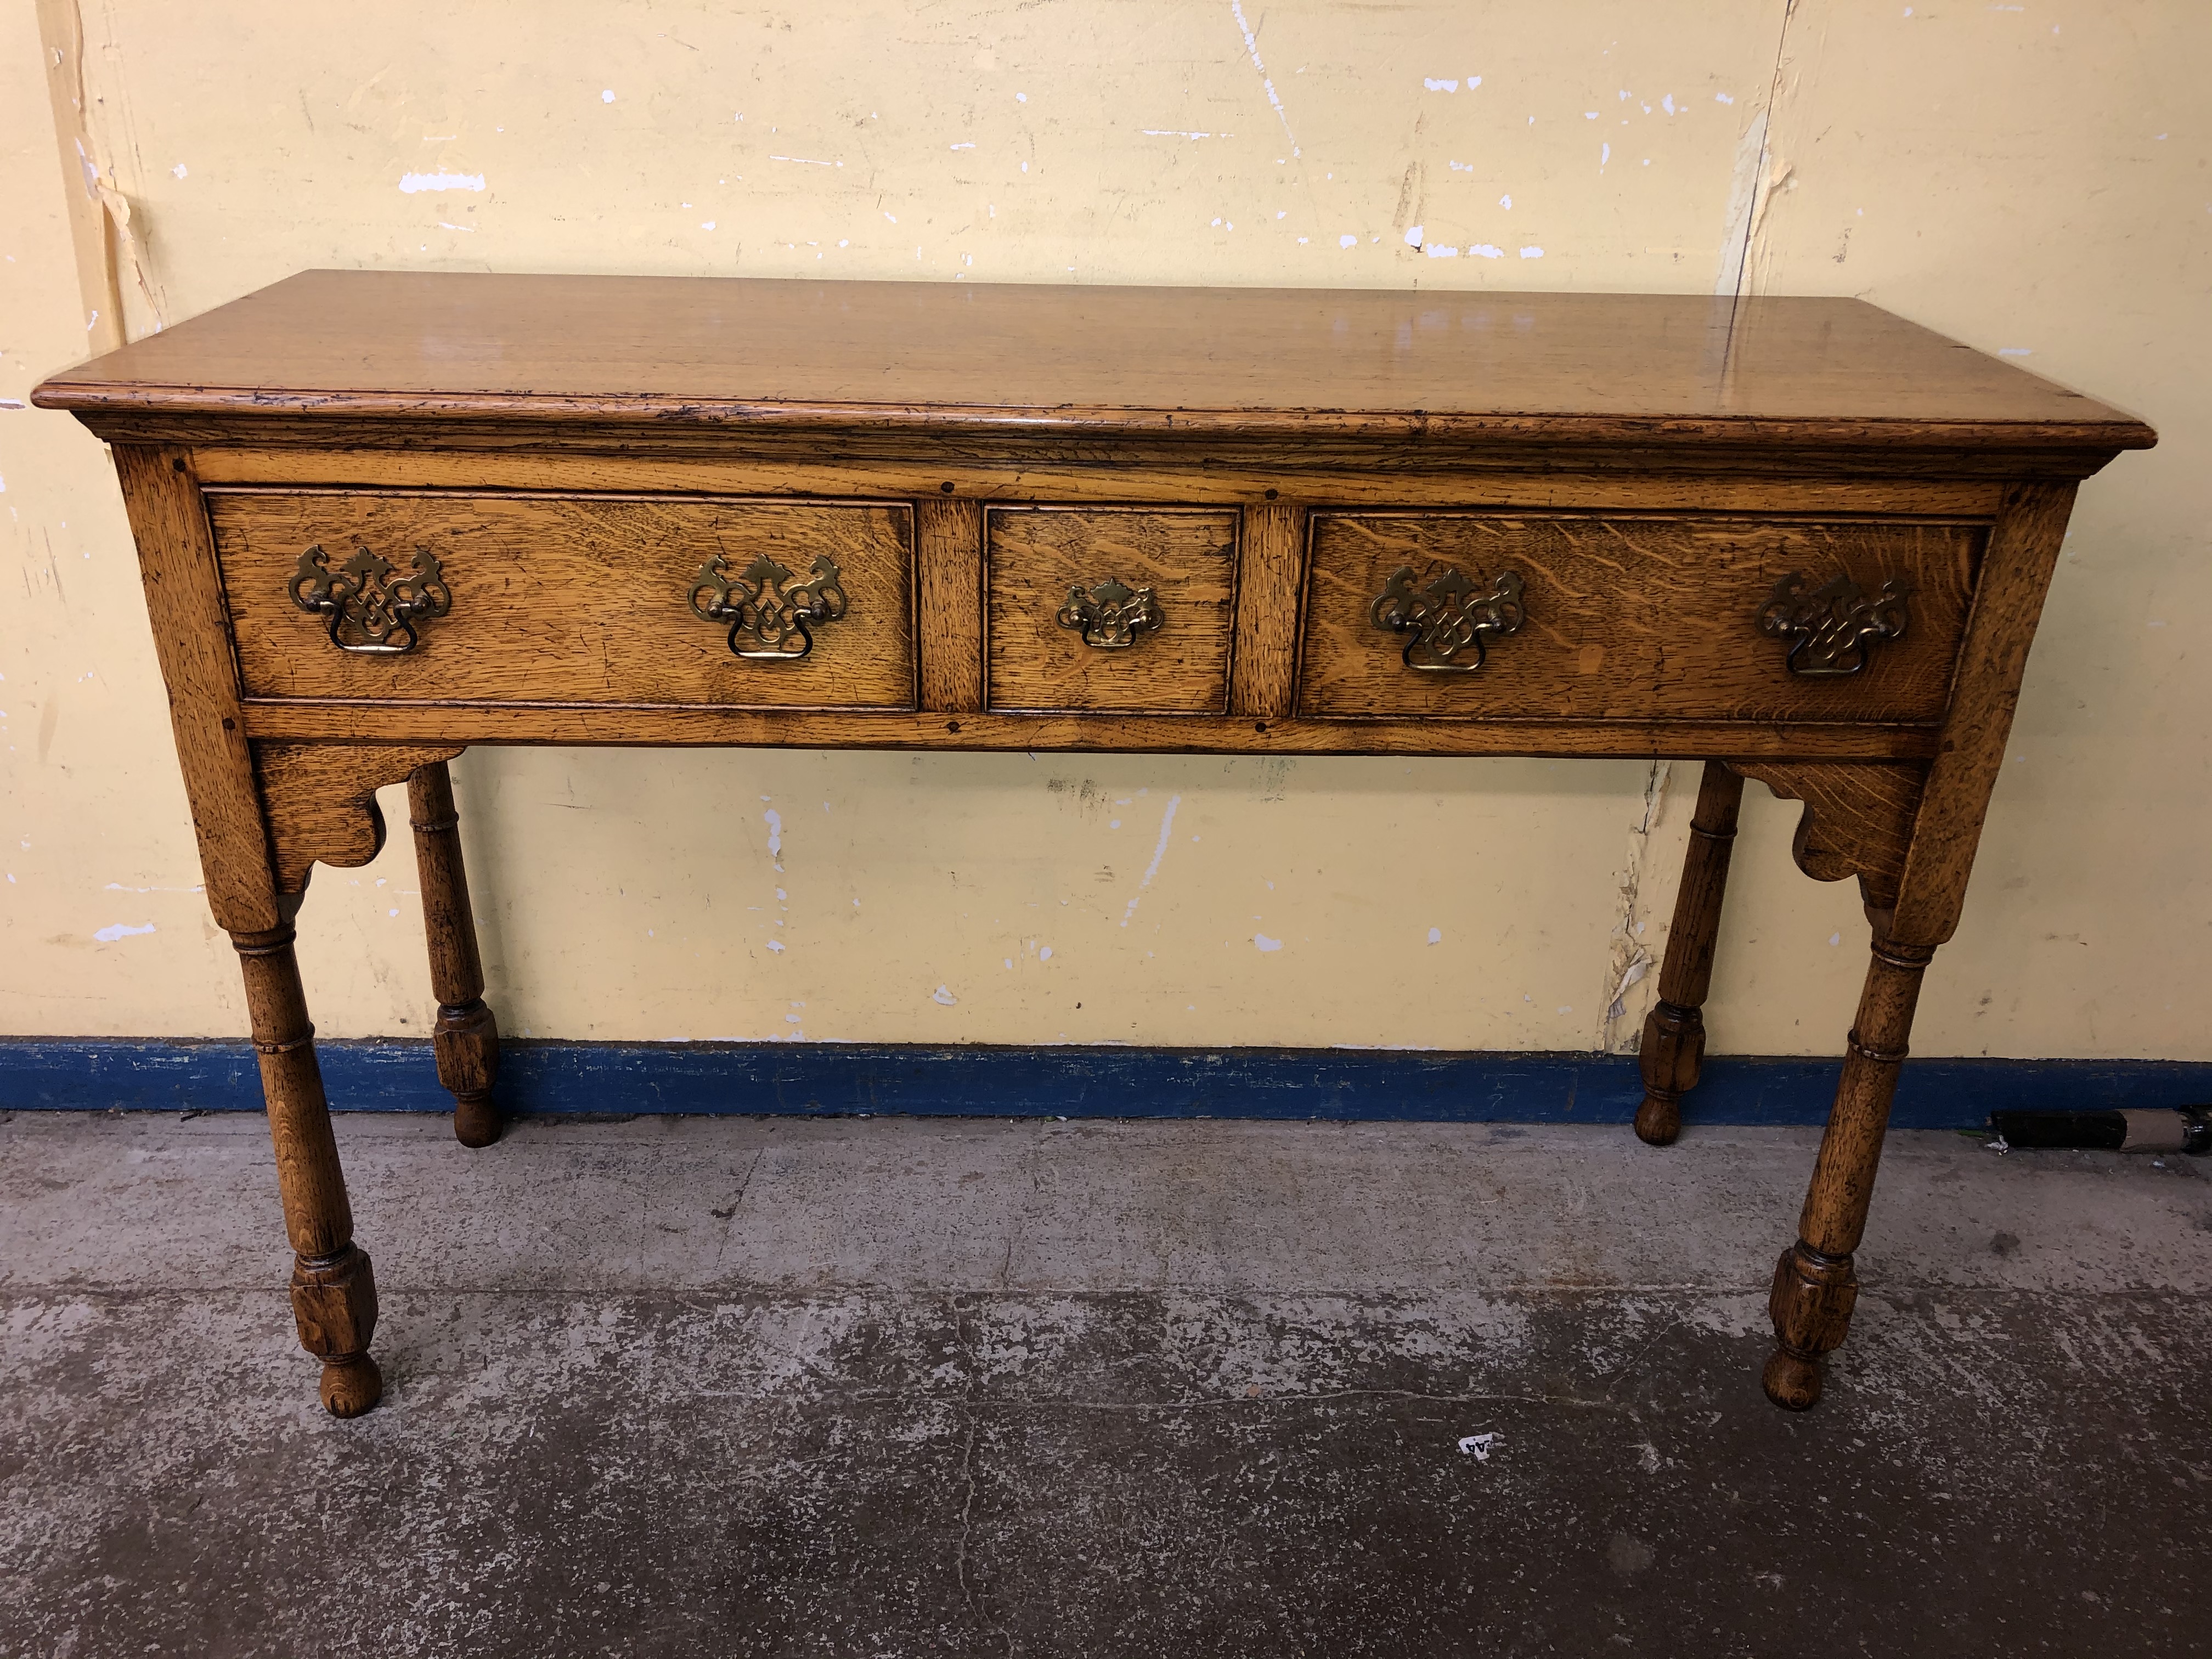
column 1129, row 609
column 571, row 599
column 1624, row 617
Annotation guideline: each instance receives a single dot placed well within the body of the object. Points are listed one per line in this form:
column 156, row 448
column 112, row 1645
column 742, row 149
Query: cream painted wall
column 2030, row 178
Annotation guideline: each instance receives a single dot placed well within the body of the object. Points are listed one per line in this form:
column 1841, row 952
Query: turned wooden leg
column 1673, row 1044
column 466, row 1036
column 1814, row 1286
column 333, row 1288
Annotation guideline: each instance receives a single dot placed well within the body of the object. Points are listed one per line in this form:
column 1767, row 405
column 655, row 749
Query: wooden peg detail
column 1673, row 1046
column 318, row 801
column 1857, row 820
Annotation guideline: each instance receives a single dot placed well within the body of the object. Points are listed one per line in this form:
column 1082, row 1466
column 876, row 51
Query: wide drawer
column 1615, row 616
column 1128, row 609
column 569, row 598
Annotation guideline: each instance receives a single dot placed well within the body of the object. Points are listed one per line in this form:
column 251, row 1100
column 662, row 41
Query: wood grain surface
column 1413, row 480
column 1626, row 615
column 1270, row 592
column 568, row 599
column 1305, row 363
column 320, row 799
column 184, row 604
column 949, row 590
column 367, row 721
column 1034, row 556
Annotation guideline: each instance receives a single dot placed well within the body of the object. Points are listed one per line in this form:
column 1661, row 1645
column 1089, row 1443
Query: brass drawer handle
column 767, row 611
column 363, row 599
column 1447, row 616
column 1831, row 628
column 1111, row 614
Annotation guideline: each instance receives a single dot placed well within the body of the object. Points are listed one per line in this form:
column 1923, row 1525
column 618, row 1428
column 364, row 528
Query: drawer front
column 570, row 599
column 1128, row 609
column 1620, row 618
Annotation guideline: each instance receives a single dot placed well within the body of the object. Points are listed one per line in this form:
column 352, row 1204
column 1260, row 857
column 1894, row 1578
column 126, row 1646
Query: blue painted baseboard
column 829, row 1080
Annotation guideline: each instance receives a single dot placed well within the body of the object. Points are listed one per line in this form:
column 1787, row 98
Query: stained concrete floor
column 685, row 1386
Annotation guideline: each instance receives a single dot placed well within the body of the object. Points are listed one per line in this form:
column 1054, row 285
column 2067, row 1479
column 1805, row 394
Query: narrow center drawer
column 1127, row 608
column 569, row 598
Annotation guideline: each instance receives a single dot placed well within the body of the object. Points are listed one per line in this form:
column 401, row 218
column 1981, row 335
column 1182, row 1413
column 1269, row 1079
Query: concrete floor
column 686, row 1386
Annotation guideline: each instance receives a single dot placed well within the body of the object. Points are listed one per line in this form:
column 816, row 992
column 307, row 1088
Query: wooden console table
column 383, row 516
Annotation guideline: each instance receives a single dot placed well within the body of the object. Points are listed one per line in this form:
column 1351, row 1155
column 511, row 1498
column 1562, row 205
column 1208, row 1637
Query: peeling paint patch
column 121, row 930
column 1159, row 852
column 412, row 183
column 1252, row 45
column 1266, row 944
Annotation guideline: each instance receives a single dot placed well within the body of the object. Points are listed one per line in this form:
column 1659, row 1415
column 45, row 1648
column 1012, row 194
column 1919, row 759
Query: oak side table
column 382, row 516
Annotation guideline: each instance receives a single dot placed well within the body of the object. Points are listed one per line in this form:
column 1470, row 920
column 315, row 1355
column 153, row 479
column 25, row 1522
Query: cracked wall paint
column 1630, row 984
column 1972, row 171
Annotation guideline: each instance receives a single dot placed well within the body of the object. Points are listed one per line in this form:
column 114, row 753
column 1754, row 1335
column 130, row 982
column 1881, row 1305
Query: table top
column 1313, row 361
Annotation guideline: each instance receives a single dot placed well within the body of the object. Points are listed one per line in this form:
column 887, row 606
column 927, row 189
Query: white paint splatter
column 1505, row 201
column 1266, row 943
column 775, row 945
column 121, row 930
column 1437, row 250
column 1180, row 132
column 410, row 183
column 1667, row 103
column 1723, row 97
column 1436, row 936
column 943, row 994
column 806, row 160
column 1532, row 254
column 1045, row 955
column 1347, row 241
column 1439, row 86
column 1414, row 236
column 1487, row 250
column 178, row 170
column 608, row 96
column 1252, row 45
column 774, row 821
column 471, row 229
column 1604, row 154
column 1159, row 852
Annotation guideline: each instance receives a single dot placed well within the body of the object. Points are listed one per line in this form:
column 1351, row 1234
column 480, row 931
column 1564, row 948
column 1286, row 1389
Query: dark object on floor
column 2167, row 1129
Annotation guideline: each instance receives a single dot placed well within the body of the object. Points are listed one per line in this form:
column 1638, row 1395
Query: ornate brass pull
column 1447, row 617
column 767, row 611
column 1112, row 615
column 1831, row 628
column 362, row 597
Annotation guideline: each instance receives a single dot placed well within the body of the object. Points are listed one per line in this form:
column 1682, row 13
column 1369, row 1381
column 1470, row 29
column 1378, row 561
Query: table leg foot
column 466, row 1036
column 1672, row 1048
column 1814, row 1286
column 333, row 1286
column 1811, row 1306
column 477, row 1121
column 334, row 1304
column 1673, row 1044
